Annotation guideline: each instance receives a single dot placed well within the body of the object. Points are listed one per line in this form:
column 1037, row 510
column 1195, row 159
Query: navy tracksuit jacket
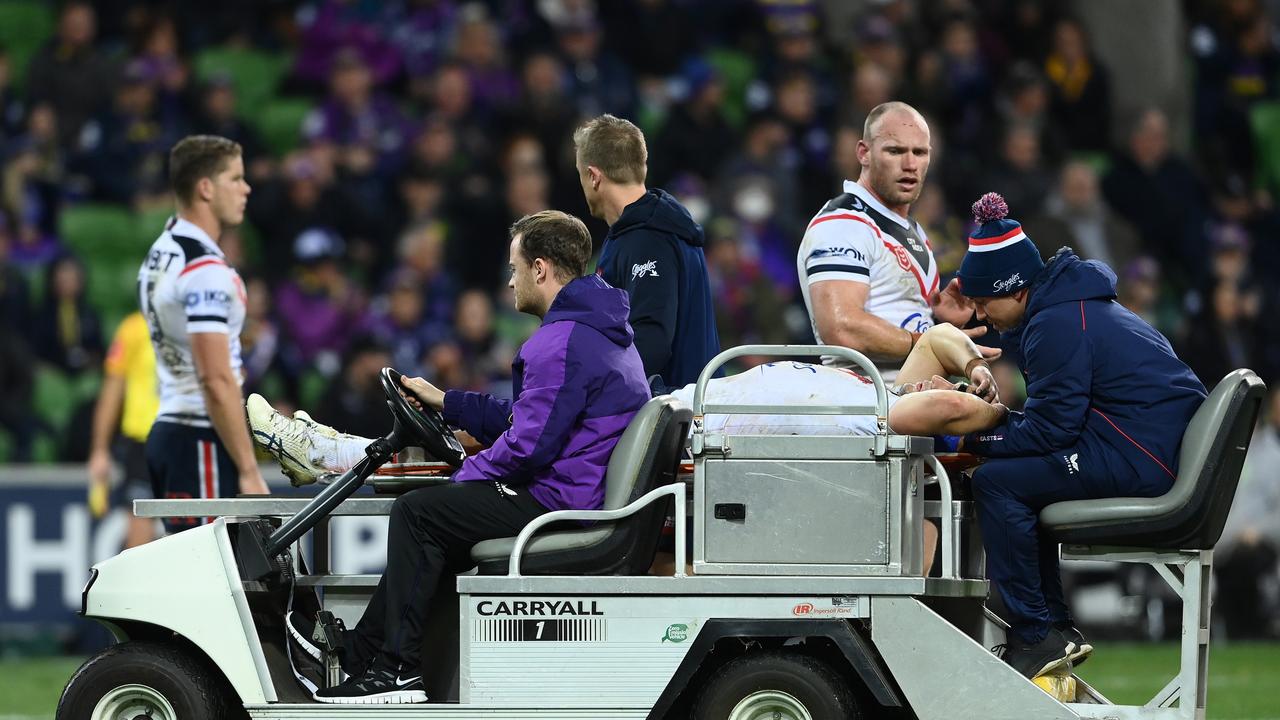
column 1107, row 404
column 654, row 252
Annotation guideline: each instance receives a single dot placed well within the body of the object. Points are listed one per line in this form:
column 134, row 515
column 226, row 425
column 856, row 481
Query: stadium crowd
column 390, row 144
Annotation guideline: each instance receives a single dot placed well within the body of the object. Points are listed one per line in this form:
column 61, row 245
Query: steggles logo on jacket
column 649, row 269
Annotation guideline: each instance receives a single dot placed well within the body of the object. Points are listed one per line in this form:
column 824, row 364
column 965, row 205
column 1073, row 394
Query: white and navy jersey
column 789, row 383
column 184, row 287
column 856, row 238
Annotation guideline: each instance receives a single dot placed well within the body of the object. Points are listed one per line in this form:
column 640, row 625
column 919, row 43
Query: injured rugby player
column 924, row 403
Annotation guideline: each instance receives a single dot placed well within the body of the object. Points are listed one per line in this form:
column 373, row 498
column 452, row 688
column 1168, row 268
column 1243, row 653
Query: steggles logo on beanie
column 1001, row 258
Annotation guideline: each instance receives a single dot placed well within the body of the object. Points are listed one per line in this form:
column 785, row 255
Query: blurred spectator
column 66, row 332
column 70, row 73
column 420, row 31
column 652, row 36
column 1139, row 289
column 356, row 402
column 543, row 109
column 1024, row 101
column 218, row 116
column 31, row 189
column 478, row 48
column 17, row 383
column 796, row 102
column 1246, row 556
column 485, row 356
column 598, row 81
column 156, row 51
column 260, row 338
column 305, row 196
column 15, row 295
column 1020, row 174
column 421, row 254
column 124, row 150
column 399, row 324
column 330, row 28
column 956, row 84
column 871, row 85
column 1081, row 104
column 11, row 106
column 1097, row 233
column 749, row 308
column 1160, row 194
column 1224, row 333
column 763, row 155
column 696, row 137
column 319, row 307
column 1237, row 67
column 364, row 128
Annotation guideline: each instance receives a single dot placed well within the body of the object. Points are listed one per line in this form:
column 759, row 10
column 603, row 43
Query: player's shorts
column 189, row 462
column 136, row 484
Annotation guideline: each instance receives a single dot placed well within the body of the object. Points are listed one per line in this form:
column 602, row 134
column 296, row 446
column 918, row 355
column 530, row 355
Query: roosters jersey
column 856, row 238
column 185, row 286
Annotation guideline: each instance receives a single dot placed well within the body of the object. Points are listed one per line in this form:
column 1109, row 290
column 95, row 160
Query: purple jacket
column 578, row 381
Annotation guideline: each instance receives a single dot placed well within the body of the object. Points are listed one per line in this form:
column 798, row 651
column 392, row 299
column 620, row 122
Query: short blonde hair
column 614, row 145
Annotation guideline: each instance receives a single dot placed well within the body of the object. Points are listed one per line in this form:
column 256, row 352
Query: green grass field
column 1239, row 688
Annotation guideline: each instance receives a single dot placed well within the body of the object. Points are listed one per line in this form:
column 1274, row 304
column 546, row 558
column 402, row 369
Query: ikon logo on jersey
column 539, row 607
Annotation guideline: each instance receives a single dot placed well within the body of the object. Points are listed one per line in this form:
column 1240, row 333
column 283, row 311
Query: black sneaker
column 1083, row 648
column 301, row 628
column 375, row 686
column 1051, row 653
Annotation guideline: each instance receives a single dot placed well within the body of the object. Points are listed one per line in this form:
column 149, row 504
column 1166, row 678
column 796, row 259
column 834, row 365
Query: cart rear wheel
column 776, row 686
column 145, row 681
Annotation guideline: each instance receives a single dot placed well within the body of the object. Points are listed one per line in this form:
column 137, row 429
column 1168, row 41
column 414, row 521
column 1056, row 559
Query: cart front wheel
column 145, row 681
column 776, row 686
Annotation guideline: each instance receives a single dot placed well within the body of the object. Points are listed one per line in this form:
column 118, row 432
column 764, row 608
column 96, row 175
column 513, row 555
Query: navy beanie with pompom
column 1001, row 258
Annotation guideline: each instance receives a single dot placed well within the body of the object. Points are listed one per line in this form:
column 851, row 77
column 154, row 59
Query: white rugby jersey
column 856, row 238
column 185, row 286
column 789, row 383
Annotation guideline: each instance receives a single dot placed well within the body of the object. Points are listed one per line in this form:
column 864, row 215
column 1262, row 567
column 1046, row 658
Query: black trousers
column 432, row 532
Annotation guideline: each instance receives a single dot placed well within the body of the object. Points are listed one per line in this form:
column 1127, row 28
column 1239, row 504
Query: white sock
column 338, row 455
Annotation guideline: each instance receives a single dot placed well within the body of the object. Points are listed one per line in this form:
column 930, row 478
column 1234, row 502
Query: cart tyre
column 136, row 679
column 772, row 684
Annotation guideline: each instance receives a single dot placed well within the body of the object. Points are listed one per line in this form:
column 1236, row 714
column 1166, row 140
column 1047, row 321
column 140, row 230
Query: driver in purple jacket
column 578, row 383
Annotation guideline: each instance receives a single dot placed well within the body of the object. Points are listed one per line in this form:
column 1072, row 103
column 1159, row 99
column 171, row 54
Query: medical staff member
column 578, row 383
column 194, row 304
column 867, row 271
column 654, row 251
column 1107, row 405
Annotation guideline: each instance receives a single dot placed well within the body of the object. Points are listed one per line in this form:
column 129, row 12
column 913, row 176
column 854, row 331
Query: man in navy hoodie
column 653, row 251
column 578, row 382
column 1107, row 405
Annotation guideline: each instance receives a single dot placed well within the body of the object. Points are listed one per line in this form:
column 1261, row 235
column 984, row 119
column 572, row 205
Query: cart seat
column 647, row 456
column 1191, row 515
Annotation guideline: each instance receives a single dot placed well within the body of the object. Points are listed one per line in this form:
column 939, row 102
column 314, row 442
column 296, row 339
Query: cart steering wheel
column 425, row 427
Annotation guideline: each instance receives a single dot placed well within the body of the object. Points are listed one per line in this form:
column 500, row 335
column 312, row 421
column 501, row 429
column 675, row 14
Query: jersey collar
column 185, row 228
column 869, row 198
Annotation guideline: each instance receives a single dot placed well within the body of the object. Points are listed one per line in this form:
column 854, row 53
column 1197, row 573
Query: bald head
column 894, row 111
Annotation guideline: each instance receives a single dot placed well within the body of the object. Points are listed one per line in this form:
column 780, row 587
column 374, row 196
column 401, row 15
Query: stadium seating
column 1265, row 120
column 254, row 74
column 24, row 27
column 280, row 123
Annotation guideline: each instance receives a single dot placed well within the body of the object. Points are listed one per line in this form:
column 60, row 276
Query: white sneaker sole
column 303, row 642
column 1064, row 661
column 1081, row 654
column 394, row 697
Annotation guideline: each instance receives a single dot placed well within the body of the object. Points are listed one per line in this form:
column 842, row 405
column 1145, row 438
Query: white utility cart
column 806, row 598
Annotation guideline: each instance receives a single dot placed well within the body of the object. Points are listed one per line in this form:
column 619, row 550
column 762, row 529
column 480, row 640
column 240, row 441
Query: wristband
column 968, row 368
column 915, row 338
